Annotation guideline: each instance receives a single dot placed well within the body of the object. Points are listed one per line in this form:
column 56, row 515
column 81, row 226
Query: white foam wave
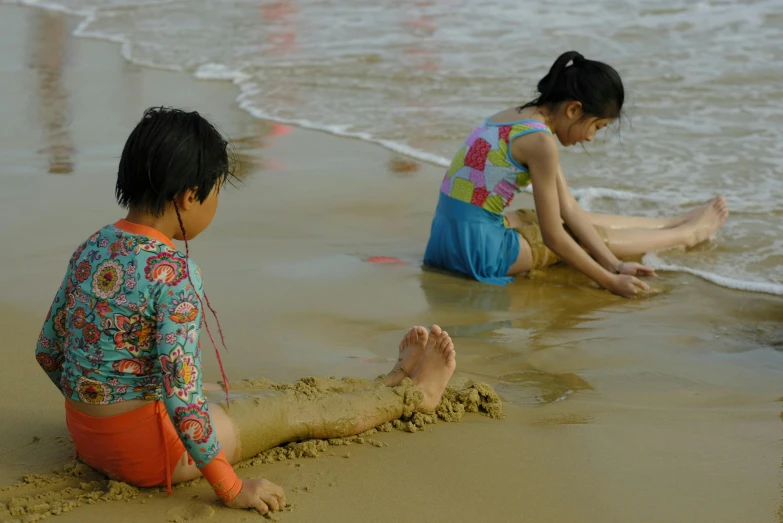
column 588, row 197
column 212, row 71
column 585, row 196
column 656, row 263
column 249, row 88
column 89, row 15
column 49, row 6
column 126, row 45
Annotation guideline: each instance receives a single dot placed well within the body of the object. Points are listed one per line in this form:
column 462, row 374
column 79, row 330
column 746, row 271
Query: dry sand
column 659, row 410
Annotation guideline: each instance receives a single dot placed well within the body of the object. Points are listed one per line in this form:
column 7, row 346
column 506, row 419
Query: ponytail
column 574, row 78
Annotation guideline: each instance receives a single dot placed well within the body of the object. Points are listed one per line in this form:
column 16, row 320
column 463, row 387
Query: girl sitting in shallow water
column 473, row 235
column 121, row 340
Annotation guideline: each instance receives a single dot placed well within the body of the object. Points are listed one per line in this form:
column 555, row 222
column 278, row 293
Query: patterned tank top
column 483, row 172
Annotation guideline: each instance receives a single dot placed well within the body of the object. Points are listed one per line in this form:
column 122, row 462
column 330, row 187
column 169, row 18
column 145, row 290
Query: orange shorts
column 139, row 447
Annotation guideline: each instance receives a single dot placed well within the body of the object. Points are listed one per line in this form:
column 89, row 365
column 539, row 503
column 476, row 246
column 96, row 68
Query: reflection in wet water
column 248, row 151
column 756, row 327
column 520, row 303
column 403, row 166
column 508, row 325
column 552, row 387
column 421, row 55
column 49, row 55
column 279, row 25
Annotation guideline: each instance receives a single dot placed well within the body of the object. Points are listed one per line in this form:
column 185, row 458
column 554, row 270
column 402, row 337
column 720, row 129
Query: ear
column 187, row 200
column 573, row 110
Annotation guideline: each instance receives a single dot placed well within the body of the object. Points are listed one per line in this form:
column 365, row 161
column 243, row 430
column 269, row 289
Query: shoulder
column 534, row 148
column 97, row 262
column 97, row 240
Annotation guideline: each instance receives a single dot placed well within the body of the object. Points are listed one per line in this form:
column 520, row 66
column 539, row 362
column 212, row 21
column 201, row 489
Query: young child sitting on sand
column 473, row 235
column 122, row 338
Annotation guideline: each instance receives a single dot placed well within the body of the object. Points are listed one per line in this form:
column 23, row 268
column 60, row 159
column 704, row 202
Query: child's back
column 124, row 310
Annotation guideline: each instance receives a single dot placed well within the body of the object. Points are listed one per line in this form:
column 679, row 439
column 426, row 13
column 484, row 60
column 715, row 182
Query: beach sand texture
column 666, row 409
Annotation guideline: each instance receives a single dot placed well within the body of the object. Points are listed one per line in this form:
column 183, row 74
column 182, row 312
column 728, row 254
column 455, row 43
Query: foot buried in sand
column 435, row 369
column 411, row 351
column 707, row 221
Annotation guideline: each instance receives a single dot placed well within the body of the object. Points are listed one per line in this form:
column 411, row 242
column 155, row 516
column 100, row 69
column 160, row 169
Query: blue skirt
column 469, row 240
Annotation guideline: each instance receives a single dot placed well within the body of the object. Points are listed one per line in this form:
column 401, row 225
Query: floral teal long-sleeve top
column 125, row 324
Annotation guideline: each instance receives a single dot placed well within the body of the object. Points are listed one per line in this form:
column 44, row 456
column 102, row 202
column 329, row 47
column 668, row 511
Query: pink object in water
column 384, row 259
column 279, row 129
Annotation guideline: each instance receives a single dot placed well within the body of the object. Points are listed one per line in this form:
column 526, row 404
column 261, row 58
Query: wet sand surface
column 661, row 409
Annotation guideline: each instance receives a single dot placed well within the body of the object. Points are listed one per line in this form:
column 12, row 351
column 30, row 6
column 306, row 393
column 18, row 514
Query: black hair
column 168, row 152
column 574, row 78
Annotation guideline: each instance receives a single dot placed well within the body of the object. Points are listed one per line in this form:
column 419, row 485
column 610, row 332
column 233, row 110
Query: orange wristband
column 221, row 476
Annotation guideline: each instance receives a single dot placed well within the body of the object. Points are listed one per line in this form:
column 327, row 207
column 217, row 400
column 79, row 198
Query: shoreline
column 665, row 409
column 408, row 155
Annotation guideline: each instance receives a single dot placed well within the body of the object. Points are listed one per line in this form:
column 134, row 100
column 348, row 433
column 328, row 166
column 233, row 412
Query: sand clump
column 39, row 496
column 477, row 397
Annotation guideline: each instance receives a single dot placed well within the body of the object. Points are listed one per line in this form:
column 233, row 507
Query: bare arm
column 579, row 221
column 581, row 225
column 539, row 152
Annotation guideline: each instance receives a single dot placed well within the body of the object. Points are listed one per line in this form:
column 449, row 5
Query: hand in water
column 627, row 286
column 635, row 269
column 260, row 494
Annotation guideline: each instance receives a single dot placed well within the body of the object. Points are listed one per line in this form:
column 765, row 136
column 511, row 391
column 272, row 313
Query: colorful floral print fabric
column 483, row 173
column 124, row 325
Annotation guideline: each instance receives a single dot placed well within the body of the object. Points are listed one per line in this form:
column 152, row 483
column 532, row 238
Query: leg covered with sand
column 263, row 415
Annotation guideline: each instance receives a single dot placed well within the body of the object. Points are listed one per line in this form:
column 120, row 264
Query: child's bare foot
column 705, row 223
column 436, row 367
column 693, row 213
column 411, row 351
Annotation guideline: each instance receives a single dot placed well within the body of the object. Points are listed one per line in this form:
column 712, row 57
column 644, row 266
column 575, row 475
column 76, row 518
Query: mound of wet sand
column 39, row 496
